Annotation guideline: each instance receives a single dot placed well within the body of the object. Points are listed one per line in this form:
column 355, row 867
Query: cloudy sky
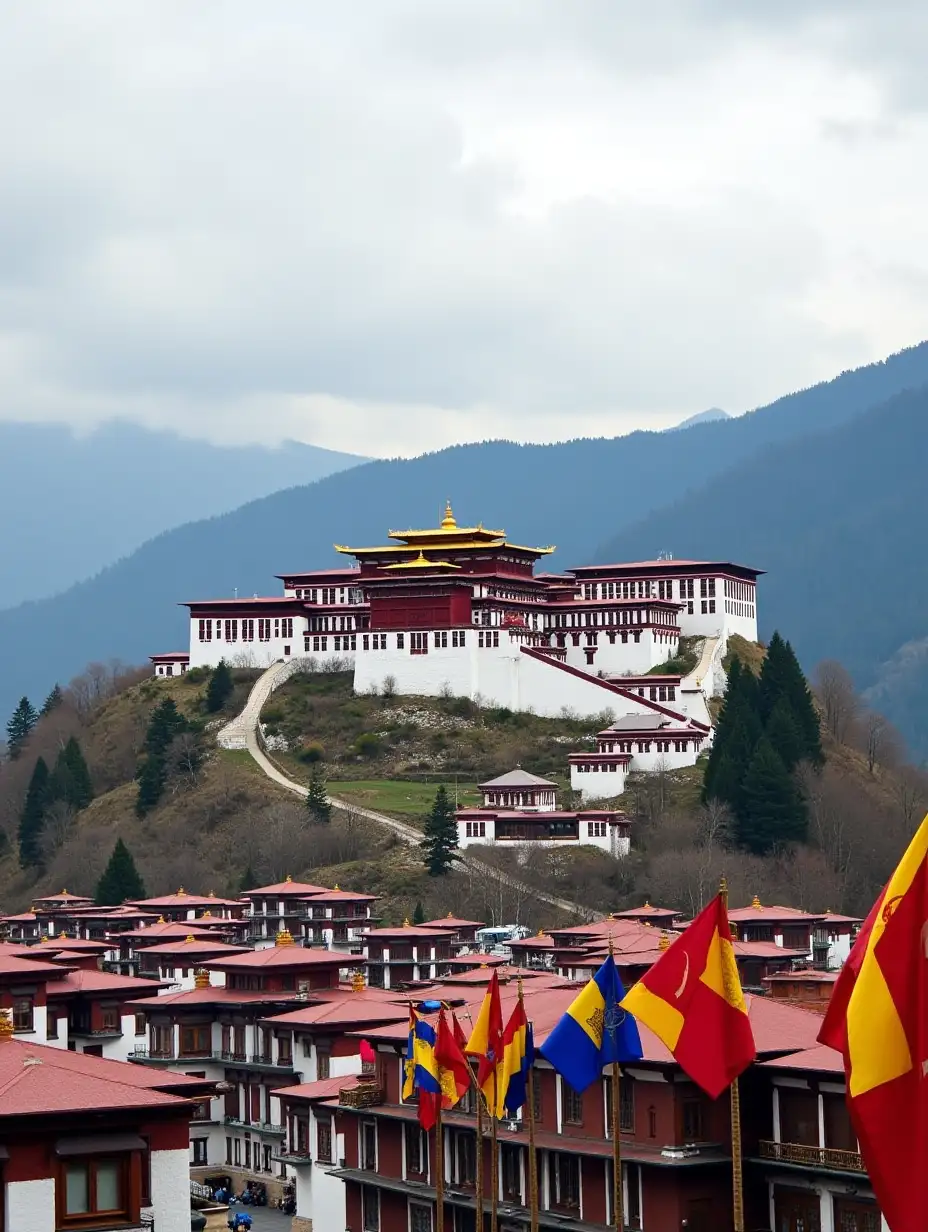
column 390, row 225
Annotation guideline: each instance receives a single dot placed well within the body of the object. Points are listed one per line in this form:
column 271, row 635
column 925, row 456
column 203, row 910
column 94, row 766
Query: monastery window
column 365, row 642
column 637, row 637
column 573, row 1105
column 231, row 630
column 23, row 1014
column 671, row 692
column 441, row 640
column 566, row 1180
column 400, row 642
column 141, row 1024
column 94, row 1186
column 248, row 630
column 596, row 829
column 689, row 608
column 458, row 637
column 711, row 605
column 418, row 643
column 206, row 630
column 320, row 643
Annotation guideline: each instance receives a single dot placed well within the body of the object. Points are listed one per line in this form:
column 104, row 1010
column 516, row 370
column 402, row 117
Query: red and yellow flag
column 486, row 1042
column 878, row 1018
column 692, row 1000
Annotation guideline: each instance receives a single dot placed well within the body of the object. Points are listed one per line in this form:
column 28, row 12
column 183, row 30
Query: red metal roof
column 820, row 1058
column 83, row 981
column 283, row 888
column 183, row 899
column 278, row 956
column 763, row 914
column 199, row 947
column 325, row 1088
column 38, row 1080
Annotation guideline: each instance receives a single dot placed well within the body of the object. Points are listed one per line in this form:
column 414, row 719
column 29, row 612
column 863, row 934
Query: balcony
column 812, row 1156
column 264, row 1061
column 364, row 1095
column 261, row 1127
column 152, row 1057
column 296, row 1159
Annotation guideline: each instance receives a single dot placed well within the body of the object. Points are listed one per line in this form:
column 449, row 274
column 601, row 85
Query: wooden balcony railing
column 812, row 1156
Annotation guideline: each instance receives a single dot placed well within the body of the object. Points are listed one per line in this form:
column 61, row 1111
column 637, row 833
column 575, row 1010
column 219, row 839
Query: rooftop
column 761, row 914
column 183, row 899
column 518, row 778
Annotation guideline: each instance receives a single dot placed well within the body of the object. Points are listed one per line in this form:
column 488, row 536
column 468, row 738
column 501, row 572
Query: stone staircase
column 235, row 734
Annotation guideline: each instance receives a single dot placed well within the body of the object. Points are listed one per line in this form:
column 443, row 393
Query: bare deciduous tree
column 835, row 690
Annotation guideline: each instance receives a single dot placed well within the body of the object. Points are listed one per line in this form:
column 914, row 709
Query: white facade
column 257, row 641
column 170, row 1191
column 605, row 836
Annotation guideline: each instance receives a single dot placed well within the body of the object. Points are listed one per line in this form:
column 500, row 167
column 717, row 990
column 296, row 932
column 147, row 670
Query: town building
column 460, row 610
column 520, row 809
column 90, row 1144
column 825, row 938
column 314, row 915
column 647, row 743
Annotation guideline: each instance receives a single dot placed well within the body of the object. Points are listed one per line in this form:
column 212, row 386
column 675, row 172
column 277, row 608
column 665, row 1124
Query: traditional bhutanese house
column 404, row 955
column 170, row 663
column 338, row 919
column 94, row 1012
column 784, row 926
column 659, row 917
column 533, row 951
column 176, row 962
column 133, row 943
column 636, row 742
column 812, row 989
column 471, row 962
column 463, row 932
column 89, row 1143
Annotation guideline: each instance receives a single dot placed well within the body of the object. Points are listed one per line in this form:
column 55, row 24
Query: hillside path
column 243, row 733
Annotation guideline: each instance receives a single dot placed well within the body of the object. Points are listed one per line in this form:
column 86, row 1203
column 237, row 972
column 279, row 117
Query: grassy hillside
column 564, row 494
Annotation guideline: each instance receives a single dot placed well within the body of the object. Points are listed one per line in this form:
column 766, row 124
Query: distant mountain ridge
column 714, row 413
column 80, row 502
column 578, row 495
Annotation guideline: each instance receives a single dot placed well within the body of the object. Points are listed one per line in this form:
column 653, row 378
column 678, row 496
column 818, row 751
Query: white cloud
column 393, row 225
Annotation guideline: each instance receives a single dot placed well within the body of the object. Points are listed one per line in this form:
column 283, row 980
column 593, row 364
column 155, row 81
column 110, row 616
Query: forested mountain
column 71, row 505
column 837, row 521
column 575, row 494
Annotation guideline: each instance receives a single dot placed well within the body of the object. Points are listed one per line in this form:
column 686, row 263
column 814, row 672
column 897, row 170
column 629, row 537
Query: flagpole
column 439, row 1172
column 532, row 1157
column 618, row 1205
column 494, row 1158
column 479, row 1178
column 737, row 1176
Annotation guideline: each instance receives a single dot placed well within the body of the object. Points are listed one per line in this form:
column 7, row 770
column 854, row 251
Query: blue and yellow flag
column 518, row 1059
column 594, row 1032
column 421, row 1069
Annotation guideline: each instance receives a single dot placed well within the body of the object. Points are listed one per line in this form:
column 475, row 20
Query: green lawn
column 399, row 799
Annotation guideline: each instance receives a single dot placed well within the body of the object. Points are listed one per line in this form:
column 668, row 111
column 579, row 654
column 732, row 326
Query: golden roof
column 447, row 535
column 421, row 562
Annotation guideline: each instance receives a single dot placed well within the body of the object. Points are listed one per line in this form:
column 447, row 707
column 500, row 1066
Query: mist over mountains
column 818, row 488
column 72, row 504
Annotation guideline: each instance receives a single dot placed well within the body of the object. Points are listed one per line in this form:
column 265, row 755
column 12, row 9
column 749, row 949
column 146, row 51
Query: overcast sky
column 390, row 225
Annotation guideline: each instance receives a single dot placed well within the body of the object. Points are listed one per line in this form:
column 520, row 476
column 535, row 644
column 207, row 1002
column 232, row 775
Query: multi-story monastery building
column 460, row 610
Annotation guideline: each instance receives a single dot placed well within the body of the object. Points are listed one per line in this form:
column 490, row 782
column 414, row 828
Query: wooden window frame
column 130, row 1186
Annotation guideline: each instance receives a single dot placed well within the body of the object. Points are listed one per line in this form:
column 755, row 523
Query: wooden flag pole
column 532, row 1157
column 494, row 1161
column 478, row 1196
column 737, row 1174
column 439, row 1172
column 618, row 1205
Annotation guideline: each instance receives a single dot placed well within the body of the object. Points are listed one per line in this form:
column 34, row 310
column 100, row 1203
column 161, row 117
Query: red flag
column 459, row 1036
column 486, row 1040
column 453, row 1068
column 692, row 1000
column 877, row 1019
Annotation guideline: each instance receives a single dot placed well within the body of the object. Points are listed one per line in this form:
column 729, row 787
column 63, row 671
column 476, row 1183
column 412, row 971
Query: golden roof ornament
column 181, row 893
column 337, row 888
column 212, row 894
column 45, row 938
column 406, row 923
column 449, row 521
column 285, row 937
column 288, row 879
column 162, row 920
column 357, row 982
column 664, row 943
column 541, row 932
column 449, row 916
column 64, row 891
column 207, row 915
column 63, row 936
column 647, row 904
column 6, row 1025
column 201, row 978
column 757, row 904
column 189, row 940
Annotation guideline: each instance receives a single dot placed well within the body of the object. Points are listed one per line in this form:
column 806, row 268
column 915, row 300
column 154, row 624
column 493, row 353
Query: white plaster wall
column 649, row 762
column 30, row 1206
column 170, row 1190
column 620, row 657
column 838, row 952
column 257, row 653
column 39, row 1033
column 594, row 784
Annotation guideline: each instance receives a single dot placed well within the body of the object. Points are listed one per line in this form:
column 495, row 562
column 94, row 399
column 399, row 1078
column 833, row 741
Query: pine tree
column 418, row 916
column 152, row 776
column 219, row 688
column 781, row 679
column 774, row 812
column 32, row 818
column 21, row 723
column 317, row 801
column 784, row 735
column 120, row 881
column 53, row 701
column 70, row 780
column 736, row 735
column 249, row 880
column 441, row 835
column 165, row 723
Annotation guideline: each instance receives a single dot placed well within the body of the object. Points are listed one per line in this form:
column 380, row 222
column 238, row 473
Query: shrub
column 311, row 753
column 197, row 675
column 388, row 688
column 367, row 745
column 272, row 715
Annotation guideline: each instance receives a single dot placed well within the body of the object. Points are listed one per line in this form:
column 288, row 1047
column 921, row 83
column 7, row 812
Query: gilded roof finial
column 406, row 923
column 357, row 982
column 189, row 940
column 757, row 904
column 6, row 1025
column 449, row 522
column 664, row 943
column 201, row 978
column 207, row 915
column 285, row 937
column 337, row 888
column 63, row 936
column 161, row 919
column 181, row 893
column 289, row 878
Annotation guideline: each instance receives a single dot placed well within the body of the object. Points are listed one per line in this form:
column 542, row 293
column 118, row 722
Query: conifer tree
column 736, row 736
column 784, row 735
column 774, row 812
column 781, row 679
column 70, row 780
column 20, row 724
column 317, row 801
column 249, row 880
column 418, row 915
column 53, row 701
column 219, row 688
column 120, row 880
column 165, row 723
column 32, row 818
column 441, row 835
column 152, row 776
